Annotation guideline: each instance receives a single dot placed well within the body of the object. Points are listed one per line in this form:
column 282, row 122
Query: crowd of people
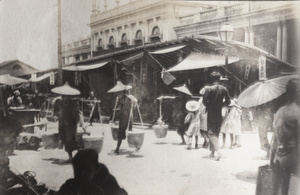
column 213, row 113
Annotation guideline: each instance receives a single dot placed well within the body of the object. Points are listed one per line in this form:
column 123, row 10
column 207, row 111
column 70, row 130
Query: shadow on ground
column 58, row 161
column 247, row 176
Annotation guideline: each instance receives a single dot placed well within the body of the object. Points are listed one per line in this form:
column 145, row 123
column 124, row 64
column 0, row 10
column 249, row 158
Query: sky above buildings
column 29, row 28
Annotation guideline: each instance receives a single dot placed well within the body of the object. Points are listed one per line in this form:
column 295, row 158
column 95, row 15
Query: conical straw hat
column 66, row 89
column 119, row 87
column 183, row 89
column 192, row 106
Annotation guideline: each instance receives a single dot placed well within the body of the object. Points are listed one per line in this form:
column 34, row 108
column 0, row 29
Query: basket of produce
column 135, row 139
column 93, row 142
column 114, row 131
column 160, row 130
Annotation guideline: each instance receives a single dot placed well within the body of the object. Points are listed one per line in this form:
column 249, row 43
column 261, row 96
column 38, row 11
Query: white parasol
column 119, row 87
column 264, row 91
column 183, row 89
column 66, row 89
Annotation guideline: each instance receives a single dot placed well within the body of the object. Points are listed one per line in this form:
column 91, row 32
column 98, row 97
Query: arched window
column 111, row 40
column 139, row 34
column 138, row 38
column 124, row 37
column 124, row 40
column 155, row 35
column 100, row 43
column 155, row 30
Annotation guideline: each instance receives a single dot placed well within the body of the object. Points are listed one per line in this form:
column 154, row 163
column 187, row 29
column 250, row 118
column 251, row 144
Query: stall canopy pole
column 59, row 56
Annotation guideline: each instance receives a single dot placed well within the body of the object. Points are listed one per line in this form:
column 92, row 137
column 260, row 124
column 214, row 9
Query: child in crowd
column 193, row 118
column 232, row 124
column 203, row 118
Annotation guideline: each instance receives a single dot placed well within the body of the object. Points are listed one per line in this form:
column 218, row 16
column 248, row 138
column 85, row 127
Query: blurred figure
column 90, row 177
column 93, row 107
column 37, row 101
column 215, row 97
column 232, row 125
column 203, row 118
column 263, row 119
column 178, row 116
column 15, row 100
column 247, row 120
column 126, row 105
column 69, row 116
column 194, row 122
column 287, row 139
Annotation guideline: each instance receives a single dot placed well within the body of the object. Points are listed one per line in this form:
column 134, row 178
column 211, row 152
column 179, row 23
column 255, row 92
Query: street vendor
column 68, row 117
column 126, row 102
column 15, row 100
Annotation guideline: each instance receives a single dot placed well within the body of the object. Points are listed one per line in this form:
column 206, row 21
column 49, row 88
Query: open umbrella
column 10, row 80
column 66, row 89
column 183, row 89
column 264, row 91
column 119, row 87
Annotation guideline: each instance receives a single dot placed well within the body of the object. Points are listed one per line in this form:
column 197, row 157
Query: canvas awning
column 202, row 60
column 38, row 79
column 84, row 67
column 10, row 80
column 128, row 61
column 168, row 50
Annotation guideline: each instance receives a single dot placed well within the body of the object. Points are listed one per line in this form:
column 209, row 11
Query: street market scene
column 149, row 97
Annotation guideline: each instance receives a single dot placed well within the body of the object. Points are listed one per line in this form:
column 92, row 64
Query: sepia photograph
column 149, row 97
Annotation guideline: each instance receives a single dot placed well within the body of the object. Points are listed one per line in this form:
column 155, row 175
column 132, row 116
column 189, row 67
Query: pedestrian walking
column 215, row 97
column 194, row 122
column 69, row 116
column 178, row 116
column 287, row 139
column 263, row 119
column 126, row 103
column 203, row 118
column 232, row 125
column 93, row 108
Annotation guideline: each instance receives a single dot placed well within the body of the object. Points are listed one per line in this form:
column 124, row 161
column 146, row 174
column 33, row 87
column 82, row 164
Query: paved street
column 162, row 166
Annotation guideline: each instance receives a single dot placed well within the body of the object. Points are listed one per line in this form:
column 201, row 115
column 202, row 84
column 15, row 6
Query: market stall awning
column 84, row 67
column 168, row 50
column 10, row 80
column 38, row 79
column 128, row 61
column 201, row 60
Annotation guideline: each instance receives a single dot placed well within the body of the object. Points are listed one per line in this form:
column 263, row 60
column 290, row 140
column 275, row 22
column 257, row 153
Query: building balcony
column 237, row 9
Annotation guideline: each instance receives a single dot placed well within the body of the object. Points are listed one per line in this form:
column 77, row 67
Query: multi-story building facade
column 129, row 29
column 269, row 25
column 272, row 26
column 134, row 24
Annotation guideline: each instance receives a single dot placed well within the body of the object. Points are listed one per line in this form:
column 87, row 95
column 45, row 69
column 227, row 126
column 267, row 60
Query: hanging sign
column 262, row 68
column 52, row 79
column 246, row 76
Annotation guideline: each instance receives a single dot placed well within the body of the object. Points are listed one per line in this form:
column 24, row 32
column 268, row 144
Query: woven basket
column 114, row 132
column 95, row 143
column 160, row 130
column 135, row 139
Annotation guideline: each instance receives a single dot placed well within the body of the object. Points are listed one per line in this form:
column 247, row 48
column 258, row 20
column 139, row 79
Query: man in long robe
column 215, row 97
